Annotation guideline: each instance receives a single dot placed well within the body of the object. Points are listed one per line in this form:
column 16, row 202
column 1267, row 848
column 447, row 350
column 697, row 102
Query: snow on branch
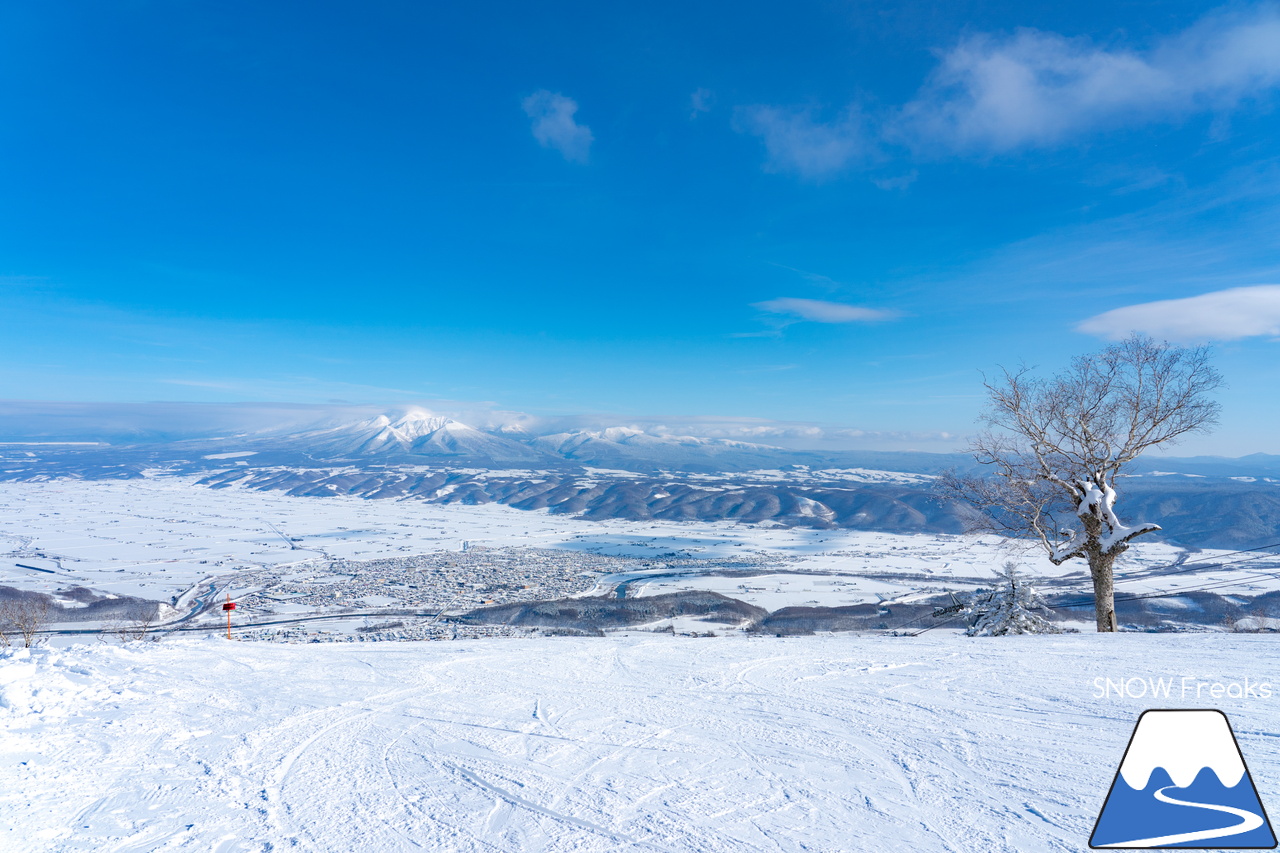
column 1013, row 607
column 1055, row 446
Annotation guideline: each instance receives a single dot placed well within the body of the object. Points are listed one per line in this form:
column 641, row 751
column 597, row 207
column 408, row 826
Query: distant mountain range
column 623, row 472
column 420, row 437
column 415, row 434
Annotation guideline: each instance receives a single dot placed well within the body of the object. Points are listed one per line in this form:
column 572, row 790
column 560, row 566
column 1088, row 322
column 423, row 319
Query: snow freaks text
column 1174, row 687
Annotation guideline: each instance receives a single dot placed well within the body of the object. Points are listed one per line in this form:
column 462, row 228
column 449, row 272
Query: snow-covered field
column 157, row 537
column 634, row 741
column 937, row 743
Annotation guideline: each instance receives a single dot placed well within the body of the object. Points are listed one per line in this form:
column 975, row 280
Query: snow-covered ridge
column 416, row 432
column 420, row 433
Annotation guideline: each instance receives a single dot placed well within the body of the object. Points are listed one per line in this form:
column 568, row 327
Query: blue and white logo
column 1183, row 783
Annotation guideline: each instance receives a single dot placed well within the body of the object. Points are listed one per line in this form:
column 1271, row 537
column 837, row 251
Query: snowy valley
column 433, row 653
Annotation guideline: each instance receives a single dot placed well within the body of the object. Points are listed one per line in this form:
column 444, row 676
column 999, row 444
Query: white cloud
column 996, row 93
column 555, row 127
column 797, row 142
column 742, row 430
column 700, row 101
column 1037, row 89
column 895, row 435
column 820, row 311
column 899, row 182
column 1224, row 315
column 790, row 434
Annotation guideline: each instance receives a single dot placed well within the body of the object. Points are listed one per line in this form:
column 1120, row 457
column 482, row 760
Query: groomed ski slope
column 936, row 743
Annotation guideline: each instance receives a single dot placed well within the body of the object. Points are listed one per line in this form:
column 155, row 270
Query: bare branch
column 26, row 615
column 1055, row 446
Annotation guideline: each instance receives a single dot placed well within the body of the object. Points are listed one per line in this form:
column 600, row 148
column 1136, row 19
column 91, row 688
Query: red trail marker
column 228, row 607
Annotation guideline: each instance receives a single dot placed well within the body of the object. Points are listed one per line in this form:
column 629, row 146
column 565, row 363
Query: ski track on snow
column 938, row 743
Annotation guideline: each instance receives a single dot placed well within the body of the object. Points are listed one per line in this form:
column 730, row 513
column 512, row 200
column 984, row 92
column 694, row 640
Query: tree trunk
column 1104, row 590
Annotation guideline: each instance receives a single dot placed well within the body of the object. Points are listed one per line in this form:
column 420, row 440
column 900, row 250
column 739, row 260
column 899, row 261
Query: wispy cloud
column 997, row 93
column 897, row 182
column 819, row 279
column 895, row 435
column 700, row 101
column 820, row 311
column 755, row 430
column 762, row 333
column 798, row 142
column 1224, row 315
column 554, row 125
column 780, row 433
column 768, row 368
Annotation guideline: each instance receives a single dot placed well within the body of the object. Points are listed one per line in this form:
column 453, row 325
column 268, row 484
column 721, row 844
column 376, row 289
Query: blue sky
column 825, row 216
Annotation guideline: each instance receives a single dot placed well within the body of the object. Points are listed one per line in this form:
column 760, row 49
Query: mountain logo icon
column 1183, row 783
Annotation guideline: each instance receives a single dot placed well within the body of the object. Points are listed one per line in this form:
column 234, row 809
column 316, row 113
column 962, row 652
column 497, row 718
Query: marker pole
column 228, row 607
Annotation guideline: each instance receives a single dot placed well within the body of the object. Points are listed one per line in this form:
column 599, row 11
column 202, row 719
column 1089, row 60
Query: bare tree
column 1056, row 446
column 26, row 616
column 142, row 619
column 134, row 625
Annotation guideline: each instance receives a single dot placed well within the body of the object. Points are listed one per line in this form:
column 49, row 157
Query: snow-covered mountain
column 626, row 447
column 670, row 477
column 362, row 437
column 416, row 432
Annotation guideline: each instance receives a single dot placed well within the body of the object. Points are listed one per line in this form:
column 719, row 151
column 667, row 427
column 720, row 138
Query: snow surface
column 937, row 743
